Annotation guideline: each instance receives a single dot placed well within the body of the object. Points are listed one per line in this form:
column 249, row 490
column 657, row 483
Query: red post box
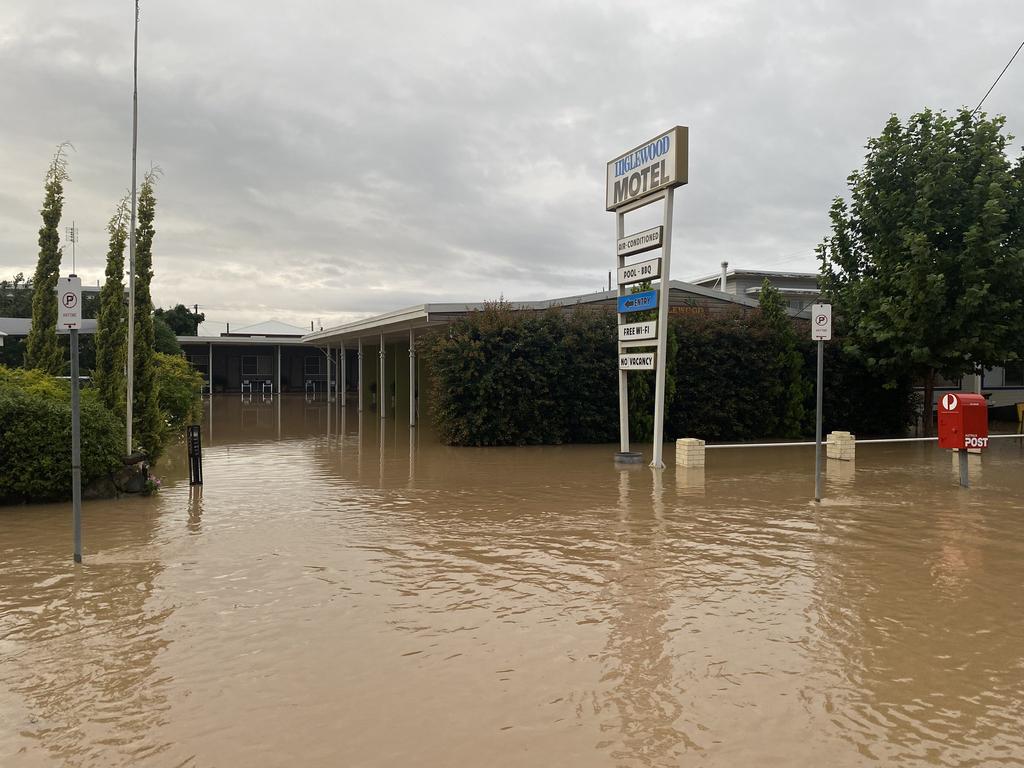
column 963, row 421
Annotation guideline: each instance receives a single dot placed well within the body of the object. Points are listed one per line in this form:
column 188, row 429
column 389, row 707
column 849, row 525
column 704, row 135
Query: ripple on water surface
column 339, row 594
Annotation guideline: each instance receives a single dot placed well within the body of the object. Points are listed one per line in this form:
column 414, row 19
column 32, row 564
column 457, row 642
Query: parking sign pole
column 76, row 450
column 821, row 331
column 817, row 424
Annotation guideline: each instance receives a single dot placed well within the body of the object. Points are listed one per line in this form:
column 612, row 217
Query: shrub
column 178, row 387
column 35, row 438
column 505, row 377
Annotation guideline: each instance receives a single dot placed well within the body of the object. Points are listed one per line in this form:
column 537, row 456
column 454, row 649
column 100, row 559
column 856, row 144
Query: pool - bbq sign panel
column 653, row 166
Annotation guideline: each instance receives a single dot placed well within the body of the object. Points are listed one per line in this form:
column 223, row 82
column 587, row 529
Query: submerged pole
column 817, row 423
column 76, row 451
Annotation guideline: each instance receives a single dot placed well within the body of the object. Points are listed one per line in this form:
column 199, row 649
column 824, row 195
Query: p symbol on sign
column 821, row 319
column 949, row 402
column 70, row 299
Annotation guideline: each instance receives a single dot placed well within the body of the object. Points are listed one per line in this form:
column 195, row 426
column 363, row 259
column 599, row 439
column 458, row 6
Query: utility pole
column 131, row 238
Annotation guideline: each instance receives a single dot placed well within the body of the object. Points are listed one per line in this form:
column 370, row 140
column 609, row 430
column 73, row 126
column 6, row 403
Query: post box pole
column 817, row 424
column 964, row 481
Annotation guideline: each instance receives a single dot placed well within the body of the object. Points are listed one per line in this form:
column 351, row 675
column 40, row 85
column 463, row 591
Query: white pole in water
column 76, row 450
column 817, row 424
column 131, row 241
column 662, row 359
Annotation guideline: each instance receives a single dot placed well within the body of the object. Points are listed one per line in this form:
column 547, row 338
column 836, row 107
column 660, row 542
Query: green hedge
column 501, row 377
column 35, row 437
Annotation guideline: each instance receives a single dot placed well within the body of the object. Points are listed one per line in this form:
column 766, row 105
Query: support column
column 382, row 400
column 412, row 378
column 337, row 374
column 277, row 384
column 664, row 297
column 359, row 375
column 327, row 383
column 343, row 376
column 209, row 373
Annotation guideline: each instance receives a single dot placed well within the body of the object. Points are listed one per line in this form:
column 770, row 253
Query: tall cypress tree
column 147, row 419
column 41, row 348
column 112, row 320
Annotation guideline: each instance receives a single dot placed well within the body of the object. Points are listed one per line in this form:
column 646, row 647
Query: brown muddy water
column 335, row 598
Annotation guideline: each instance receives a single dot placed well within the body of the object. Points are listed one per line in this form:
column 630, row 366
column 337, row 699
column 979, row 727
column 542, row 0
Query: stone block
column 689, row 452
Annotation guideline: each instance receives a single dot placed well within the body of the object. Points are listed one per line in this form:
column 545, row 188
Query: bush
column 504, row 377
column 178, row 390
column 35, row 438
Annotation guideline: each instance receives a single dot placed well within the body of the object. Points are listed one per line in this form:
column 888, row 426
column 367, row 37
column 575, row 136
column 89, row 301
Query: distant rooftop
column 268, row 328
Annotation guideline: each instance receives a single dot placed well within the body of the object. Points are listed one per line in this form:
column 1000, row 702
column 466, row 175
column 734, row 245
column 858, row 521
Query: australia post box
column 963, row 421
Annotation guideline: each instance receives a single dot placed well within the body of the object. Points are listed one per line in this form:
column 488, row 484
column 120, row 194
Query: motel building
column 349, row 361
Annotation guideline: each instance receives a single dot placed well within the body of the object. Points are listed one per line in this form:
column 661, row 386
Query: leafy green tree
column 181, row 320
column 784, row 381
column 147, row 421
column 925, row 264
column 112, row 322
column 41, row 348
column 16, row 297
column 163, row 337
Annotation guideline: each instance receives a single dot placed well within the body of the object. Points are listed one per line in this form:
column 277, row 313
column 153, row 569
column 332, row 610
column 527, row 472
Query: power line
column 997, row 79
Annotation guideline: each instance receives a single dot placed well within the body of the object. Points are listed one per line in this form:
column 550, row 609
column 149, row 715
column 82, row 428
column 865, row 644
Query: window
column 1013, row 375
column 257, row 365
column 315, row 366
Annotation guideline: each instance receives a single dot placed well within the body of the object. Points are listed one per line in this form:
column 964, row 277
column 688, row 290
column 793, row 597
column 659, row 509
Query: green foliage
column 16, row 297
column 147, row 424
column 35, row 437
column 785, row 382
column 925, row 264
column 501, row 377
column 112, row 322
column 163, row 337
column 179, row 387
column 181, row 320
column 41, row 348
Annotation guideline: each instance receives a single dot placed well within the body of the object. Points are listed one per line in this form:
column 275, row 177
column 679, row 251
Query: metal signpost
column 69, row 318
column 821, row 331
column 644, row 175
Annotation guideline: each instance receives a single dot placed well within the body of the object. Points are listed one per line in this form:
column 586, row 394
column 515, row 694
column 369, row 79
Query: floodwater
column 335, row 597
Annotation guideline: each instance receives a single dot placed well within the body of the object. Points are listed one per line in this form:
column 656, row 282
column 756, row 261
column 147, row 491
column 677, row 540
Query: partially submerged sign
column 640, row 242
column 69, row 303
column 642, row 270
column 653, row 166
column 638, row 302
column 636, row 361
column 638, row 331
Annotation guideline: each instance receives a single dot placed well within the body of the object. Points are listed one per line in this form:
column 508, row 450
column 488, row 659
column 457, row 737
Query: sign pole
column 76, row 450
column 821, row 331
column 663, row 300
column 817, row 423
column 623, row 374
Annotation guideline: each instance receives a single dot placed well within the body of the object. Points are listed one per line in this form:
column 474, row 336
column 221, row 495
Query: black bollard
column 195, row 455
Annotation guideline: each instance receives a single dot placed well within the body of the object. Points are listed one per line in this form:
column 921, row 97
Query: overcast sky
column 330, row 160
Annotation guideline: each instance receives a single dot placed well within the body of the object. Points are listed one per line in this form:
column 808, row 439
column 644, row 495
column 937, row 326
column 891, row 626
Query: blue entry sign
column 638, row 302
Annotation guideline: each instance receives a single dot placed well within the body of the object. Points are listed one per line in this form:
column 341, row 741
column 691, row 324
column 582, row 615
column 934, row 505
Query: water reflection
column 346, row 591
